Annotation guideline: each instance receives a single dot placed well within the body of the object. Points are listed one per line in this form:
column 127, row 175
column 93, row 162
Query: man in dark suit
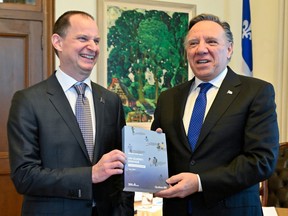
column 49, row 162
column 238, row 142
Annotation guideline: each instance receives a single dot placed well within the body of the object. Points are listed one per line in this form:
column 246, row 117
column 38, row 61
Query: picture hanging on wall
column 142, row 52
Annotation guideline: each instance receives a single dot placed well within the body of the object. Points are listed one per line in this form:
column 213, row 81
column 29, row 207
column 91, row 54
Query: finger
column 159, row 130
column 168, row 193
column 115, row 155
column 114, row 172
column 174, row 179
column 117, row 152
column 118, row 165
column 112, row 165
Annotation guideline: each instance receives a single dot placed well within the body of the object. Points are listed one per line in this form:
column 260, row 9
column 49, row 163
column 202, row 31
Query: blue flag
column 247, row 39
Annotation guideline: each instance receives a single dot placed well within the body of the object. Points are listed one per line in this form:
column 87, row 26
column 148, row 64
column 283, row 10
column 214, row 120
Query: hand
column 181, row 185
column 110, row 164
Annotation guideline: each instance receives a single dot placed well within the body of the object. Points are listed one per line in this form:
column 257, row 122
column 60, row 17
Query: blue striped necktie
column 83, row 115
column 198, row 115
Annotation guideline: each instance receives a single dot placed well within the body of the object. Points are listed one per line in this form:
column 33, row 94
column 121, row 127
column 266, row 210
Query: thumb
column 159, row 130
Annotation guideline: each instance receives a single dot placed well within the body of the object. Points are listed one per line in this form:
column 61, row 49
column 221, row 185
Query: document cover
column 146, row 169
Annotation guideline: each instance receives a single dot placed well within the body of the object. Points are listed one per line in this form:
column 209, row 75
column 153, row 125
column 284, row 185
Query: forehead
column 206, row 28
column 81, row 24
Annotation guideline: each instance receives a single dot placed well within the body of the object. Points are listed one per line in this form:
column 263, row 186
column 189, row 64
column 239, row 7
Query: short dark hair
column 213, row 18
column 63, row 23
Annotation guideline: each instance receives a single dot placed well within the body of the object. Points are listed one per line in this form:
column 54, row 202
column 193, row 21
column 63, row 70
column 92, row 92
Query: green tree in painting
column 122, row 44
column 146, row 54
column 156, row 45
column 179, row 29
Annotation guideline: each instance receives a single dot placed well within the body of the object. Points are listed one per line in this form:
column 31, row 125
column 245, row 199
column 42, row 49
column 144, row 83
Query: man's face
column 79, row 48
column 208, row 50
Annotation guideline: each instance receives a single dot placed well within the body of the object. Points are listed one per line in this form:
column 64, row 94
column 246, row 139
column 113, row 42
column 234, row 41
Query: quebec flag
column 247, row 63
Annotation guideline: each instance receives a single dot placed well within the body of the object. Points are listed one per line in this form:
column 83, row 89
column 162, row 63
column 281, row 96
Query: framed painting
column 142, row 52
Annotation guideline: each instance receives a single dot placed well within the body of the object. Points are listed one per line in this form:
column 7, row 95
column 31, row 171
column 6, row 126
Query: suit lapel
column 62, row 105
column 99, row 106
column 227, row 93
column 180, row 103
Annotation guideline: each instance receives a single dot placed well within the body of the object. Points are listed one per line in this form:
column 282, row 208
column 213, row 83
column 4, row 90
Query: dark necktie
column 83, row 115
column 198, row 115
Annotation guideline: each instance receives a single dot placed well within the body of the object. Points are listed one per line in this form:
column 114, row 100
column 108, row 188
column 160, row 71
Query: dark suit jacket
column 237, row 147
column 48, row 158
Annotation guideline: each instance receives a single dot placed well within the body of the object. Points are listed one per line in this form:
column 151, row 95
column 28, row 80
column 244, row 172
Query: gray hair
column 213, row 18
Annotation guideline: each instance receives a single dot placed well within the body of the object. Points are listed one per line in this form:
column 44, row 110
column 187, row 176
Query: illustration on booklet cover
column 147, row 168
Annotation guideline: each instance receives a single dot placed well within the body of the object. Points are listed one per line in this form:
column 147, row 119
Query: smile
column 90, row 57
column 202, row 61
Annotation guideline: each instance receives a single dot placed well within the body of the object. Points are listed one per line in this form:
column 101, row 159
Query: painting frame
column 103, row 16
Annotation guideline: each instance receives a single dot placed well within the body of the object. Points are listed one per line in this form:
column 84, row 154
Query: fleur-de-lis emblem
column 246, row 31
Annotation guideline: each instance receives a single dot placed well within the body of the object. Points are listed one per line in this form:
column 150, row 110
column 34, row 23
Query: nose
column 92, row 45
column 201, row 48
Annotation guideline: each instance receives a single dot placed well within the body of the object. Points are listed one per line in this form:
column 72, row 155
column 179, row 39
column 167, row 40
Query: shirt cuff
column 199, row 184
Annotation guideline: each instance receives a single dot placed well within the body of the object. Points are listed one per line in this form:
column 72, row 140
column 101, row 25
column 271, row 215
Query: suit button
column 192, row 162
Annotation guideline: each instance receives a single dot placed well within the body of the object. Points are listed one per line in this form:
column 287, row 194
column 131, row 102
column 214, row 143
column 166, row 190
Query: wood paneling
column 26, row 57
column 10, row 200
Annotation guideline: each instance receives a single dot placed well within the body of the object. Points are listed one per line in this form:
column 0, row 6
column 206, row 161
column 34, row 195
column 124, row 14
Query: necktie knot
column 80, row 88
column 204, row 87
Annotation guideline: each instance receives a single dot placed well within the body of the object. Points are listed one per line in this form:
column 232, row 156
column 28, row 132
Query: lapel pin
column 229, row 92
column 102, row 100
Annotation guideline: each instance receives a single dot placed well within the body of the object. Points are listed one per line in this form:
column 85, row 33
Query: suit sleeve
column 28, row 171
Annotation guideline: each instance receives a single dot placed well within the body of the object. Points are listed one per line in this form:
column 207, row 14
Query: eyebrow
column 210, row 37
column 87, row 36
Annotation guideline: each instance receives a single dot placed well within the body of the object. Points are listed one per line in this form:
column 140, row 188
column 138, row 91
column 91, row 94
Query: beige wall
column 265, row 32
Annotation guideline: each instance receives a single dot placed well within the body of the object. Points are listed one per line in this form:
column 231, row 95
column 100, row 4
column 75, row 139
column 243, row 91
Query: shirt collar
column 216, row 82
column 67, row 81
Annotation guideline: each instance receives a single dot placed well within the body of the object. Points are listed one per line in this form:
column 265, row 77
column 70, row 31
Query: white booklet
column 146, row 169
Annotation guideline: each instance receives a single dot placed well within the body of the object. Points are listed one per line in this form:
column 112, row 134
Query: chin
column 205, row 76
column 88, row 67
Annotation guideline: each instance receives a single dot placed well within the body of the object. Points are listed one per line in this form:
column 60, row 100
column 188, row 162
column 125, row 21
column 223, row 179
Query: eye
column 82, row 38
column 192, row 43
column 96, row 41
column 212, row 42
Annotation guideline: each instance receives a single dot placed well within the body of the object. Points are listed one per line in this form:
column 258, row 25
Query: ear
column 230, row 50
column 57, row 42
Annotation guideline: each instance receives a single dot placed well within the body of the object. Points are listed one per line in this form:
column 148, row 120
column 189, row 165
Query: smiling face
column 78, row 49
column 208, row 50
